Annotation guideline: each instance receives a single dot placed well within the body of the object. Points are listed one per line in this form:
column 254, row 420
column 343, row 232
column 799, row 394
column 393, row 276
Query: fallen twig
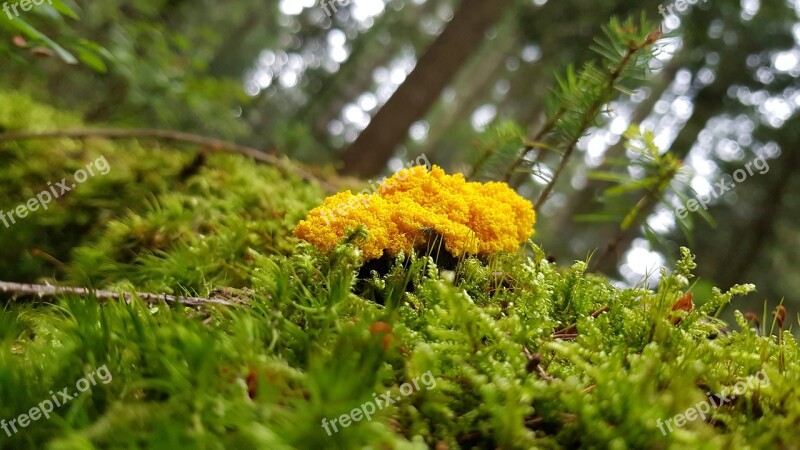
column 566, row 337
column 215, row 145
column 571, row 332
column 46, row 290
column 572, row 329
column 473, row 437
column 534, row 364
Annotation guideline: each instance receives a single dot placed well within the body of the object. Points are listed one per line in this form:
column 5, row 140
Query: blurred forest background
column 464, row 83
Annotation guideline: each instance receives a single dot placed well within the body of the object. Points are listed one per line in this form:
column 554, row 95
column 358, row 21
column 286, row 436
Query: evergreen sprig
column 576, row 102
column 647, row 178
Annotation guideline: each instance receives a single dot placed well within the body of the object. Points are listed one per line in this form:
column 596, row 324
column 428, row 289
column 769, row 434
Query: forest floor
column 307, row 350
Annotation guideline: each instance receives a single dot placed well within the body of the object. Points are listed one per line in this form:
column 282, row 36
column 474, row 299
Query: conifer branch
column 590, row 114
column 501, row 143
column 650, row 199
column 46, row 290
column 660, row 170
column 548, row 126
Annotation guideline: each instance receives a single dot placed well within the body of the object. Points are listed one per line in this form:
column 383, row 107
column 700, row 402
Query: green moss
column 202, row 236
column 146, row 208
column 305, row 348
column 32, row 248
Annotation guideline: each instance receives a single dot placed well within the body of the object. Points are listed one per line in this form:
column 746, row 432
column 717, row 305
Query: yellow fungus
column 472, row 218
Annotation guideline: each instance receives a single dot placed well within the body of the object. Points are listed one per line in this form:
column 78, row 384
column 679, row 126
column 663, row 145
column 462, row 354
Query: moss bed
column 515, row 351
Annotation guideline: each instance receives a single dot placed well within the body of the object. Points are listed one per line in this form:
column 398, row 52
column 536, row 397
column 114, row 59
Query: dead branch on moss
column 571, row 332
column 532, row 422
column 46, row 290
column 215, row 145
column 534, row 364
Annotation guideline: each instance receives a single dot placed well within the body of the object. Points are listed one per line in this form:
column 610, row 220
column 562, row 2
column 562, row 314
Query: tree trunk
column 749, row 243
column 462, row 37
column 471, row 88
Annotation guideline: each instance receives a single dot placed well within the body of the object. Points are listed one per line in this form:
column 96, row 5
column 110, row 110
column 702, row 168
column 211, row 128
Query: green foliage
column 524, row 354
column 649, row 176
column 153, row 211
column 575, row 103
column 145, row 63
column 625, row 52
column 266, row 374
column 498, row 145
column 53, row 14
column 226, row 210
column 26, row 168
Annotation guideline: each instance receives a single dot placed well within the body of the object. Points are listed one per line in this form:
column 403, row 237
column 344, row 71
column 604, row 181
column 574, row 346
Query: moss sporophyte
column 472, row 218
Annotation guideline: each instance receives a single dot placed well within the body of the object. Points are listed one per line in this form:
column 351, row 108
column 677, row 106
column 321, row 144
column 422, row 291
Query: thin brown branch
column 539, row 136
column 213, row 144
column 600, row 311
column 566, row 337
column 473, row 437
column 612, row 248
column 534, row 364
column 543, row 374
column 571, row 332
column 568, row 330
column 545, row 195
column 46, row 290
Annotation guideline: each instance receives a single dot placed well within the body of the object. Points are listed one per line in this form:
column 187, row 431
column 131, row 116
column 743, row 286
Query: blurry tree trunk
column 473, row 85
column 461, row 38
column 229, row 63
column 748, row 244
column 374, row 48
